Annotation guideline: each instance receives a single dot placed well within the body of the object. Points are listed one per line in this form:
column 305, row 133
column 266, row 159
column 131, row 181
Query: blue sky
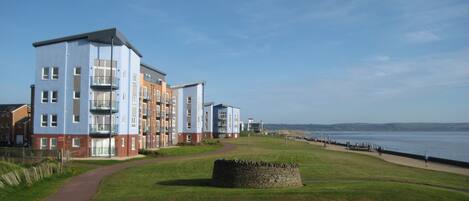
column 279, row 61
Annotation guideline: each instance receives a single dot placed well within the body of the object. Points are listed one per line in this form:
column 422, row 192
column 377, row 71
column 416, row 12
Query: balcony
column 103, row 128
column 146, row 130
column 104, row 82
column 103, row 105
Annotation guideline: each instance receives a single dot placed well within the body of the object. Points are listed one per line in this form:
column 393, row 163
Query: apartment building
column 15, row 124
column 86, row 93
column 157, row 114
column 226, row 120
column 208, row 120
column 189, row 112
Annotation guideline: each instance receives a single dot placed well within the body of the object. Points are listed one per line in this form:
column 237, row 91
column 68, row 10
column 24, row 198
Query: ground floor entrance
column 100, row 147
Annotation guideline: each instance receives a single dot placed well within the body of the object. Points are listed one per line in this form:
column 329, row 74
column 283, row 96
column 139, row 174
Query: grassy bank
column 327, row 175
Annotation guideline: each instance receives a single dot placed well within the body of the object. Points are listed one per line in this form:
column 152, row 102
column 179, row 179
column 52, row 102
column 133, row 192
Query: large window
column 44, row 143
column 53, row 143
column 53, row 120
column 55, row 73
column 45, row 73
column 45, row 96
column 44, row 120
column 54, row 97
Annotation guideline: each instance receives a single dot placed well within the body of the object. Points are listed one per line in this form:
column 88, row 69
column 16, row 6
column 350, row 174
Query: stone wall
column 255, row 174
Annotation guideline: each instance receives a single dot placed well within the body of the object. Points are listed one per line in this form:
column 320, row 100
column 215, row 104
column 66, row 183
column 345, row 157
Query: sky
column 279, row 61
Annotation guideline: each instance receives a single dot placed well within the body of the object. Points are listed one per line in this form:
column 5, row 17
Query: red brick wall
column 196, row 138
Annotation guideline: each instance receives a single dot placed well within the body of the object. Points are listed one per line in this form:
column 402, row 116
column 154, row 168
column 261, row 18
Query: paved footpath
column 84, row 187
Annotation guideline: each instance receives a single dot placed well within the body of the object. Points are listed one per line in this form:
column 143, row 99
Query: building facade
column 208, row 120
column 15, row 124
column 86, row 93
column 189, row 110
column 226, row 121
column 157, row 114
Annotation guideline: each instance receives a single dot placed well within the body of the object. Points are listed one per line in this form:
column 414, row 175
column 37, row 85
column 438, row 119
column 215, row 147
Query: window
column 45, row 73
column 77, row 71
column 76, row 142
column 44, row 120
column 53, row 120
column 53, row 143
column 158, row 96
column 45, row 96
column 76, row 95
column 189, row 125
column 55, row 73
column 122, row 142
column 133, row 143
column 76, row 118
column 189, row 113
column 43, row 143
column 189, row 100
column 54, row 97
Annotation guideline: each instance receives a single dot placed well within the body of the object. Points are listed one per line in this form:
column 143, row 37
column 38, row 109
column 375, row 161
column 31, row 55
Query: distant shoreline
column 378, row 127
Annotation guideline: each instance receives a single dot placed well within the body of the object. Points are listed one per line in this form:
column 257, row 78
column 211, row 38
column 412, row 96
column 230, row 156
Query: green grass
column 188, row 150
column 6, row 167
column 327, row 175
column 45, row 187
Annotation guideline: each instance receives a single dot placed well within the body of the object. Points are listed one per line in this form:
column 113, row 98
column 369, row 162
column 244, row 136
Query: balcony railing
column 146, row 96
column 104, row 81
column 145, row 112
column 103, row 128
column 104, row 105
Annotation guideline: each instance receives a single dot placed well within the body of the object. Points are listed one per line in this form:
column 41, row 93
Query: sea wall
column 255, row 174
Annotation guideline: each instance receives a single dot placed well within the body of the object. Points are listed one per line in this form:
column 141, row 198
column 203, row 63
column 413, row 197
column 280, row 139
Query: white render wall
column 196, row 93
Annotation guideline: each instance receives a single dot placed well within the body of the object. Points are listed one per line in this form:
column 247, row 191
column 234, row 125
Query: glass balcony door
column 100, row 147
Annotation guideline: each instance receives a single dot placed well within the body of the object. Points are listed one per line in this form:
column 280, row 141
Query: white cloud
column 421, row 37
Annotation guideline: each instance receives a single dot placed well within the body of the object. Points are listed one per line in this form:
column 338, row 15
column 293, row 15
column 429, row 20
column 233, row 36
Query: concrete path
column 401, row 160
column 84, row 187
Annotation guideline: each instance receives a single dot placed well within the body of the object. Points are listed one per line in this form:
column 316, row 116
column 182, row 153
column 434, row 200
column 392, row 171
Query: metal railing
column 103, row 81
column 104, row 105
column 103, row 128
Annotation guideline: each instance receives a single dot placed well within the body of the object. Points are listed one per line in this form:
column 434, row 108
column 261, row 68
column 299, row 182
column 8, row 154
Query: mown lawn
column 327, row 175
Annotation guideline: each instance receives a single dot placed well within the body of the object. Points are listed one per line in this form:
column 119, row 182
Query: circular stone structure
column 255, row 174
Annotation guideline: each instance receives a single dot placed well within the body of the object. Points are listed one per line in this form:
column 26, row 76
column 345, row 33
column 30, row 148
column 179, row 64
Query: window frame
column 75, row 140
column 52, row 122
column 52, row 139
column 46, row 122
column 43, row 75
column 41, row 144
column 74, row 118
column 45, row 99
column 75, row 95
column 52, row 99
column 77, row 69
column 133, row 144
column 54, row 76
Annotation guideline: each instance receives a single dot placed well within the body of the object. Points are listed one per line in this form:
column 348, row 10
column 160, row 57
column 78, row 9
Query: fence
column 28, row 155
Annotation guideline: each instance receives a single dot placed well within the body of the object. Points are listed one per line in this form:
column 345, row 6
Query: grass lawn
column 44, row 188
column 327, row 175
column 188, row 149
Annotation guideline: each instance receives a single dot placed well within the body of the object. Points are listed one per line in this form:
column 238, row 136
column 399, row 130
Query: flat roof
column 188, row 84
column 225, row 105
column 152, row 68
column 101, row 36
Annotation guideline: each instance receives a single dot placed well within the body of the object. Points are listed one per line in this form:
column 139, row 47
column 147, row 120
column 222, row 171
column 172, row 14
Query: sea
column 449, row 145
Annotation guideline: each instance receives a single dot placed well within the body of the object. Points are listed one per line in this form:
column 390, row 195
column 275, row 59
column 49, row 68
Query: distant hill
column 372, row 127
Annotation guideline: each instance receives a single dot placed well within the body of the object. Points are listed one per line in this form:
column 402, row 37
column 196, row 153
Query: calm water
column 450, row 145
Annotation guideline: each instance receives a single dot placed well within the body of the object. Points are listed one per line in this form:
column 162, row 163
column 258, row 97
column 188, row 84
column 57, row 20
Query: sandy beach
column 400, row 160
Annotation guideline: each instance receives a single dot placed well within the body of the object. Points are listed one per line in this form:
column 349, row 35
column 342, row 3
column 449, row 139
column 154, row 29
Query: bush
column 211, row 142
column 150, row 153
